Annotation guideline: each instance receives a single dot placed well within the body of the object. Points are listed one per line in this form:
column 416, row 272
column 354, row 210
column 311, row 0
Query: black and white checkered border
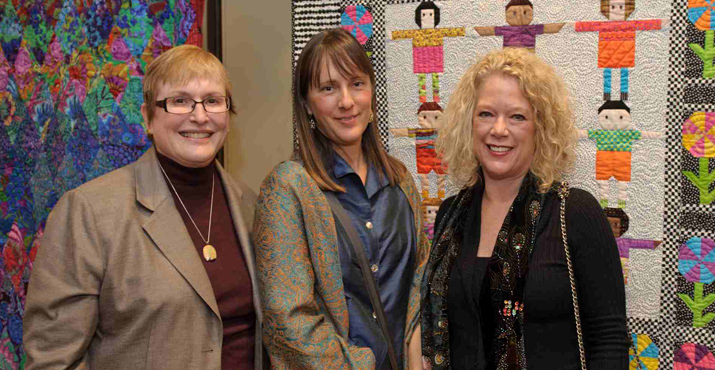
column 669, row 334
column 308, row 18
column 637, row 325
column 311, row 17
column 671, row 229
column 698, row 208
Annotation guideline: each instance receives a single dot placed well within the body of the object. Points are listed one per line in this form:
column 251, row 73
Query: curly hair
column 556, row 134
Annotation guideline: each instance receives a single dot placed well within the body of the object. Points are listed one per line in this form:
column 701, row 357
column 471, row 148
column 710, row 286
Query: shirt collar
column 373, row 183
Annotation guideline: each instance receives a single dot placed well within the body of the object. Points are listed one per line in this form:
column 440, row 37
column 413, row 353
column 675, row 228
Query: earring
column 311, row 119
column 371, row 119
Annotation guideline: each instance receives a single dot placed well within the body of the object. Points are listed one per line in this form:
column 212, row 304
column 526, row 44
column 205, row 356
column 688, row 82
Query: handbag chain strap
column 563, row 194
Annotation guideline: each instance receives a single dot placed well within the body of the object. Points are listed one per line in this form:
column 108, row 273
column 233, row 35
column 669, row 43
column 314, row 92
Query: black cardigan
column 550, row 333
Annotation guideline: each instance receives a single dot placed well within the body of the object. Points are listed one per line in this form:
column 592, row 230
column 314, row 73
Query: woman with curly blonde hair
column 497, row 291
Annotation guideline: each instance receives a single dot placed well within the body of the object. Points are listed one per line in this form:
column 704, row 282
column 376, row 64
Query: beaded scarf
column 506, row 274
column 506, row 271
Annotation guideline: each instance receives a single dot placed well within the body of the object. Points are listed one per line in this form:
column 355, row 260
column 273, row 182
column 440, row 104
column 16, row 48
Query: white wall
column 257, row 56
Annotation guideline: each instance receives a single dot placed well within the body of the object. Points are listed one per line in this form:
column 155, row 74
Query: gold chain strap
column 563, row 194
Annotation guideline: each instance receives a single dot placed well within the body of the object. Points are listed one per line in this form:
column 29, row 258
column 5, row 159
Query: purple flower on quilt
column 22, row 62
column 79, row 89
column 692, row 356
column 160, row 37
column 55, row 50
column 4, row 78
column 119, row 49
column 696, row 260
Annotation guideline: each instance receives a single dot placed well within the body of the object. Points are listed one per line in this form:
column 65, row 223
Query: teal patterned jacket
column 305, row 322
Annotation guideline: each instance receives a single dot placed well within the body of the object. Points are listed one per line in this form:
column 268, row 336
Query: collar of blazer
column 166, row 228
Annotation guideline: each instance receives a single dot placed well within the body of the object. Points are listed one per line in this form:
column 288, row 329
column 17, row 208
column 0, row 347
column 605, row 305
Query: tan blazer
column 118, row 284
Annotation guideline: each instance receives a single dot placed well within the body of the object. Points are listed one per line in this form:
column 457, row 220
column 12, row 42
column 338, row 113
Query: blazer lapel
column 166, row 228
column 242, row 214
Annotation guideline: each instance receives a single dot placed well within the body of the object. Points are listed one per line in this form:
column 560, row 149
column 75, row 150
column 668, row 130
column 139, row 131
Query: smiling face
column 519, row 15
column 503, row 129
column 341, row 105
column 191, row 139
column 615, row 119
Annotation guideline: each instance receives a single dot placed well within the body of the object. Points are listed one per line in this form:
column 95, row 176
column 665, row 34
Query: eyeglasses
column 183, row 105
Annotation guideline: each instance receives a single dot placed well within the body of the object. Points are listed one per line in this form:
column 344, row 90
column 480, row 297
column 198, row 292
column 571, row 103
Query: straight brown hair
column 314, row 149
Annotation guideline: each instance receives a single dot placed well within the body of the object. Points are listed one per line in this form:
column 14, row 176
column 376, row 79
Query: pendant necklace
column 209, row 251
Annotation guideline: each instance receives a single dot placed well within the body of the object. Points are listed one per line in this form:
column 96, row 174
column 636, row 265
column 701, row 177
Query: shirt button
column 374, row 315
column 368, row 225
column 374, row 268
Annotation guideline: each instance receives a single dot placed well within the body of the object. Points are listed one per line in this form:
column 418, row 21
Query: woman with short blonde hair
column 151, row 266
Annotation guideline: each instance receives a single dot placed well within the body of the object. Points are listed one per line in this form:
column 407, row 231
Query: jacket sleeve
column 298, row 331
column 61, row 311
column 599, row 281
column 422, row 254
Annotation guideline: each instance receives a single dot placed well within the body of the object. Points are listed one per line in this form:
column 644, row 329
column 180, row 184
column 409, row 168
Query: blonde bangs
column 179, row 66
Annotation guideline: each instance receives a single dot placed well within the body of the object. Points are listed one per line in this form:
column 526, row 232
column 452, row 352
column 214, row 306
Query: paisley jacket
column 305, row 315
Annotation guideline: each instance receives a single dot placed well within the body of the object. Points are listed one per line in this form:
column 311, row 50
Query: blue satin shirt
column 382, row 216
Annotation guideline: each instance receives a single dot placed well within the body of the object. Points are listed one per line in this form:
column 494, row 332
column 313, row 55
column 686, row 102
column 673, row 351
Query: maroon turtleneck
column 228, row 272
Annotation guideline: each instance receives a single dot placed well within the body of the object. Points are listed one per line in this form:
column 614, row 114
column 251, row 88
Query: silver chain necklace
column 209, row 251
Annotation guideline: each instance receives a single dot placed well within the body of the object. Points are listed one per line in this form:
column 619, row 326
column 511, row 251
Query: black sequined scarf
column 506, row 274
column 506, row 271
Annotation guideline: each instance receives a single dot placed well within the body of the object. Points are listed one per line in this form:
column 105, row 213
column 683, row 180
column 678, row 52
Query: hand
column 414, row 350
column 426, row 365
column 485, row 31
column 400, row 132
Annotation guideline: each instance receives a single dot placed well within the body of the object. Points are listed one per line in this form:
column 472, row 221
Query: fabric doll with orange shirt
column 617, row 40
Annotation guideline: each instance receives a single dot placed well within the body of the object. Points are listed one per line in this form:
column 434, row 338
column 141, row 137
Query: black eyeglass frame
column 162, row 104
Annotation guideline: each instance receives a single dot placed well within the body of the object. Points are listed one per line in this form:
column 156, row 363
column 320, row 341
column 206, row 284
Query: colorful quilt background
column 70, row 91
column 667, row 313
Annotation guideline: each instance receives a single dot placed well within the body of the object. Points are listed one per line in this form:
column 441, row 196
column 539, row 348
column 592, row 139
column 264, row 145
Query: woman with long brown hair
column 338, row 219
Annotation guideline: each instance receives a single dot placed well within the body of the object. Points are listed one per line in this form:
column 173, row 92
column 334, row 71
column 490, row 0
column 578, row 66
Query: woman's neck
column 501, row 191
column 186, row 176
column 355, row 158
